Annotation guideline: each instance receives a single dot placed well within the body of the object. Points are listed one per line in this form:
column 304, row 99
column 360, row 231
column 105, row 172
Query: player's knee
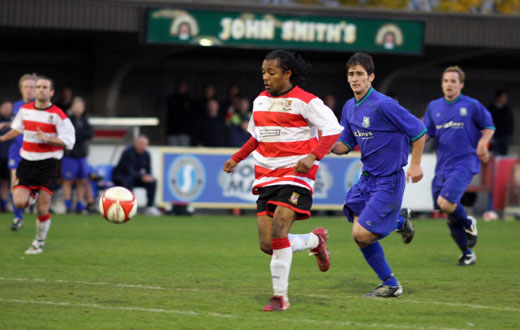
column 446, row 206
column 42, row 209
column 361, row 238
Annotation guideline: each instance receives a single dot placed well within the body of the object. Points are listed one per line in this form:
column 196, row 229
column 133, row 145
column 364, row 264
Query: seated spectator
column 135, row 170
column 74, row 167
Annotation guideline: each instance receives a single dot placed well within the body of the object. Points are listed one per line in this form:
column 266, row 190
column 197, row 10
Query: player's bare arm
column 50, row 140
column 339, row 148
column 482, row 147
column 415, row 171
column 9, row 135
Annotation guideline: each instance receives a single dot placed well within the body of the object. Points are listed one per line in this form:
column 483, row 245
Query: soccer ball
column 117, row 205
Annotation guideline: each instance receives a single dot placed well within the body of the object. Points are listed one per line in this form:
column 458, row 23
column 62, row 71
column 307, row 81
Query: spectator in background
column 65, row 100
column 6, row 115
column 208, row 93
column 134, row 169
column 330, row 101
column 504, row 123
column 238, row 134
column 232, row 92
column 212, row 131
column 27, row 87
column 74, row 167
column 179, row 118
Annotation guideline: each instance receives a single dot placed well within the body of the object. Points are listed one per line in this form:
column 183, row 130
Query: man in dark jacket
column 74, row 167
column 504, row 123
column 134, row 170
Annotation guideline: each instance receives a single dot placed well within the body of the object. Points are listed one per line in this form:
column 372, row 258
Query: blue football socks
column 68, row 205
column 461, row 216
column 80, row 207
column 18, row 213
column 375, row 257
column 459, row 235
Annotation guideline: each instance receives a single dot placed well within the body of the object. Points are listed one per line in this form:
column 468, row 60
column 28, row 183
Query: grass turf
column 206, row 272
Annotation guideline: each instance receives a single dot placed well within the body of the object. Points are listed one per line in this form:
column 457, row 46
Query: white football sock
column 42, row 228
column 280, row 268
column 300, row 242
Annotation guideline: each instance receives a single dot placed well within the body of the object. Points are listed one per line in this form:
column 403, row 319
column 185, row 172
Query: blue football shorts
column 451, row 184
column 74, row 168
column 377, row 201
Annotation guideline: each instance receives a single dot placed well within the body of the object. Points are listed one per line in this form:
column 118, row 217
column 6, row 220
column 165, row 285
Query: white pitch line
column 141, row 286
column 214, row 314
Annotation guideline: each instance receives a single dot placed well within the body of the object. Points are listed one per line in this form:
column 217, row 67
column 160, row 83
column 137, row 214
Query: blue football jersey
column 456, row 125
column 383, row 129
column 16, row 145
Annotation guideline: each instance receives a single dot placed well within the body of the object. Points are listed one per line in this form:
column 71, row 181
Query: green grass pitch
column 206, row 272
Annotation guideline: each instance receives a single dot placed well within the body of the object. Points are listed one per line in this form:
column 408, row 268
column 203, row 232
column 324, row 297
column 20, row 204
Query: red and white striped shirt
column 286, row 128
column 52, row 121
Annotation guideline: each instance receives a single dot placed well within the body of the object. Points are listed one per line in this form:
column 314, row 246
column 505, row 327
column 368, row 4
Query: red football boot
column 321, row 252
column 276, row 304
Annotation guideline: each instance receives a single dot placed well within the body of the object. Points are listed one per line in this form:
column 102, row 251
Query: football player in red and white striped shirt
column 286, row 148
column 46, row 132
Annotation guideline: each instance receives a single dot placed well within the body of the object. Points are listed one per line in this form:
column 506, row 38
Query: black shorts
column 296, row 198
column 5, row 172
column 38, row 174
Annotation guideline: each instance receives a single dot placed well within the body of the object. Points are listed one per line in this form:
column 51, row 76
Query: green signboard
column 247, row 29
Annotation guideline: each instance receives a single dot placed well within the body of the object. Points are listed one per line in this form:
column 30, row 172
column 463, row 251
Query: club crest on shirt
column 366, row 122
column 463, row 111
column 287, row 105
column 50, row 119
column 294, row 198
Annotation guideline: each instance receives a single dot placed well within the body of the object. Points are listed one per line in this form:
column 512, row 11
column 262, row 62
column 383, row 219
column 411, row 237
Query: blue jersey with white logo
column 14, row 150
column 456, row 125
column 383, row 129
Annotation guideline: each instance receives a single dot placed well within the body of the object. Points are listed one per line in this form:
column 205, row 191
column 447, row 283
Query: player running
column 27, row 87
column 46, row 131
column 284, row 128
column 462, row 127
column 383, row 131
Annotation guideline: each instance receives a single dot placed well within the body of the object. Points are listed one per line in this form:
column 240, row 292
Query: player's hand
column 229, row 166
column 305, row 164
column 415, row 172
column 41, row 135
column 482, row 152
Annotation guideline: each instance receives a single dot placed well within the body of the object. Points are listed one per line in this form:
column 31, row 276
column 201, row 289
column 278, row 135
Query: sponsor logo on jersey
column 463, row 111
column 365, row 135
column 266, row 132
column 450, row 124
column 366, row 122
column 294, row 198
column 287, row 105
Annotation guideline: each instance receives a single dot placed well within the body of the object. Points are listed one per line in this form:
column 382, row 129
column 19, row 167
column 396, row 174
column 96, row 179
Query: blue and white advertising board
column 195, row 176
